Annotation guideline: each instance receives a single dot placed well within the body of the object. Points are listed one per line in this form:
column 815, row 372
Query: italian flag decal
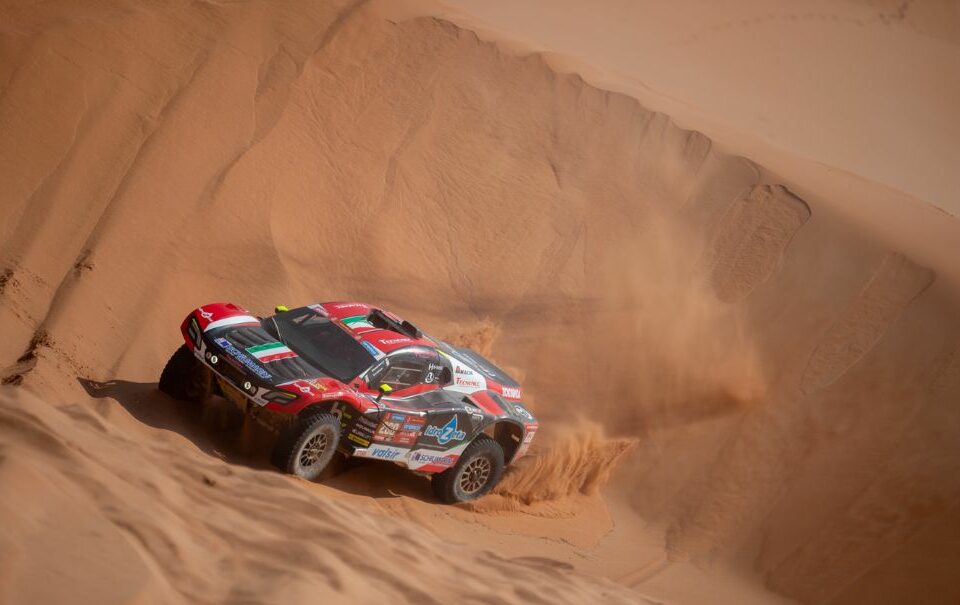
column 358, row 321
column 271, row 351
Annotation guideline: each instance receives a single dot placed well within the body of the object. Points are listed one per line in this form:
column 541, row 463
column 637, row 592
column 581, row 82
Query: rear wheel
column 477, row 471
column 185, row 378
column 306, row 447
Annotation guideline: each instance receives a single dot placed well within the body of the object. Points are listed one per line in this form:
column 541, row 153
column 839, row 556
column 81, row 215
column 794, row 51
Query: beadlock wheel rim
column 313, row 450
column 475, row 475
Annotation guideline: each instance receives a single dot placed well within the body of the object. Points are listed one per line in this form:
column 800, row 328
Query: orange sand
column 747, row 370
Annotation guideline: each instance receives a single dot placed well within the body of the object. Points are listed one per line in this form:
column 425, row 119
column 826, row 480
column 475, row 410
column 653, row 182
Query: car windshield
column 320, row 342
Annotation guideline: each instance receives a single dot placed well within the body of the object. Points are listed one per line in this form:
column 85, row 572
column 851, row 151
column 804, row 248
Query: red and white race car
column 349, row 377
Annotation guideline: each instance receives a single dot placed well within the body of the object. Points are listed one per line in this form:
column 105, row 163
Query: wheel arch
column 318, row 407
column 509, row 435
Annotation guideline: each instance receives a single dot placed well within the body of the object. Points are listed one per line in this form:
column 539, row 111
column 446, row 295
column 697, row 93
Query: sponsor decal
column 385, row 452
column 358, row 440
column 364, row 421
column 349, row 305
column 465, row 378
column 205, row 314
column 239, row 355
column 301, row 385
column 464, row 381
column 364, row 428
column 317, row 385
column 356, row 322
column 439, row 459
column 511, row 393
column 446, row 433
column 522, row 411
column 271, row 351
column 399, row 428
column 377, row 353
column 332, row 395
column 435, row 367
column 390, row 424
column 392, row 341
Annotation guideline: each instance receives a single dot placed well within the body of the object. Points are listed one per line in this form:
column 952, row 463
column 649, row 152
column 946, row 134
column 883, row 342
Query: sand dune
column 752, row 238
column 887, row 294
column 771, row 376
column 148, row 517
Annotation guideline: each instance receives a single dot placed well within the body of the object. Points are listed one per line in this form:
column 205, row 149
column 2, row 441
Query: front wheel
column 306, row 447
column 185, row 378
column 477, row 471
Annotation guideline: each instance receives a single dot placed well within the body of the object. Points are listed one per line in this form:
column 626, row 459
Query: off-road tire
column 477, row 471
column 185, row 378
column 292, row 452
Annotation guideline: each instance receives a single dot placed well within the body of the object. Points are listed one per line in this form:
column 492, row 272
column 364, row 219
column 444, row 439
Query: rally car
column 349, row 377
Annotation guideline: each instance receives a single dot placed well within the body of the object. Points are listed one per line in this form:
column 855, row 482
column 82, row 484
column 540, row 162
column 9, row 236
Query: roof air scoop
column 383, row 321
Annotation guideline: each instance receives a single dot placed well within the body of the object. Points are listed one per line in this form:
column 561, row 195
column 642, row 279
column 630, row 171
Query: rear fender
column 514, row 438
column 512, row 426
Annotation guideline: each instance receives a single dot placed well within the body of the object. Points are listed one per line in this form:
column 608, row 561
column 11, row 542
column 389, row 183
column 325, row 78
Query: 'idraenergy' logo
column 446, row 433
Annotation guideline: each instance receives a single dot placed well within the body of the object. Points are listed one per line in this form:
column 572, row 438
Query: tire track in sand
column 894, row 285
column 752, row 238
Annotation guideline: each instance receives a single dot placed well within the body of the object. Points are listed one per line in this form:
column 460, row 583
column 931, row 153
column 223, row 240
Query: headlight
column 194, row 330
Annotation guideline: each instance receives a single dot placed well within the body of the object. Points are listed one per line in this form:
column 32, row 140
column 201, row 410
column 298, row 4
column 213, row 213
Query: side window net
column 403, row 374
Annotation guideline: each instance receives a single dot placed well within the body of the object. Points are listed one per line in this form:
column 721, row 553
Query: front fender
column 210, row 316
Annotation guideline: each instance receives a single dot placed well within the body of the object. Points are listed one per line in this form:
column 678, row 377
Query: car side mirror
column 446, row 377
column 384, row 389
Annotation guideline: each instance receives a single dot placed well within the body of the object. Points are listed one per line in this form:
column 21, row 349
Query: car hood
column 252, row 349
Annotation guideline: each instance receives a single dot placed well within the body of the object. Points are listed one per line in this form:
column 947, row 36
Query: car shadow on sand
column 218, row 429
